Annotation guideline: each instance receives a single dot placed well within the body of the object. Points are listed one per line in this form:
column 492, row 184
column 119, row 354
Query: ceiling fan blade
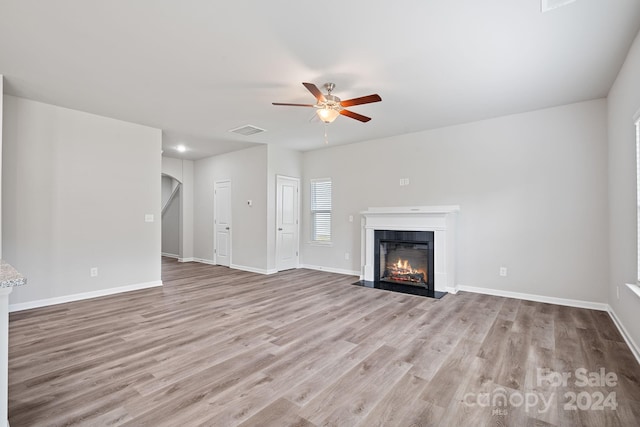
column 315, row 91
column 362, row 100
column 293, row 105
column 356, row 116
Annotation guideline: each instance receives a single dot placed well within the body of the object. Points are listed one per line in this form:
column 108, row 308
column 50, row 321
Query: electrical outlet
column 503, row 271
column 94, row 272
column 350, row 218
column 347, row 256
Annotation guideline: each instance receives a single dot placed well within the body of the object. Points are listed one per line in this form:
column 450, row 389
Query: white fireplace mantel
column 439, row 219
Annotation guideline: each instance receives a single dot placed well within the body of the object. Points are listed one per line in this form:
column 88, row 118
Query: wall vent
column 547, row 5
column 247, row 130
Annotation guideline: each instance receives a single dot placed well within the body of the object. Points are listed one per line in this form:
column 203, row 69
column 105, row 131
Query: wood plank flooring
column 221, row 347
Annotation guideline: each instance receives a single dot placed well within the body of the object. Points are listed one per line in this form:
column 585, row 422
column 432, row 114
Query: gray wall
column 624, row 103
column 182, row 171
column 1, row 104
column 171, row 223
column 167, row 184
column 532, row 190
column 247, row 170
column 76, row 188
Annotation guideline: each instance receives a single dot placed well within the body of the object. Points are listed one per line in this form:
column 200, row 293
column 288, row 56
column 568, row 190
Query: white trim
column 326, row 244
column 537, row 298
column 634, row 288
column 170, row 255
column 252, row 269
column 186, row 259
column 237, row 267
column 331, row 270
column 441, row 209
column 452, row 290
column 82, row 296
column 627, row 337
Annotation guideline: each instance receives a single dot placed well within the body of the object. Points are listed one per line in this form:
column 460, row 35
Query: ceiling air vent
column 547, row 5
column 247, row 130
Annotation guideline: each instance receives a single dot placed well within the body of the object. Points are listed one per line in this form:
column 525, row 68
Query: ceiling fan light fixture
column 327, row 115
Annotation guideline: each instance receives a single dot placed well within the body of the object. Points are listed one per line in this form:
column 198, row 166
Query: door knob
column 226, row 228
column 279, row 229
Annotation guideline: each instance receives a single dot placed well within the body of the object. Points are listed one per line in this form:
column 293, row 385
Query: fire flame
column 404, row 272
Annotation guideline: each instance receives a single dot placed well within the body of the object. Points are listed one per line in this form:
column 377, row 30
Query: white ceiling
column 197, row 69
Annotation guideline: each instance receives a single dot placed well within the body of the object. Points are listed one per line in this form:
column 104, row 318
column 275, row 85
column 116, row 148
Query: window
column 321, row 210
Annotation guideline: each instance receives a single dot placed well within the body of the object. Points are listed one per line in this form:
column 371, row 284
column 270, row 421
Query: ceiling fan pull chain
column 326, row 140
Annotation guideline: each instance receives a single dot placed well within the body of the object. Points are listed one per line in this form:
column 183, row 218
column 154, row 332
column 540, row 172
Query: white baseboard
column 236, row 266
column 82, row 296
column 178, row 257
column 536, row 298
column 331, row 270
column 252, row 269
column 170, row 255
column 627, row 337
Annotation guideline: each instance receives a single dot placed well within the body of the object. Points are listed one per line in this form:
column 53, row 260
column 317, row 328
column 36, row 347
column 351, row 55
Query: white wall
column 532, row 189
column 623, row 104
column 280, row 161
column 247, row 170
column 76, row 188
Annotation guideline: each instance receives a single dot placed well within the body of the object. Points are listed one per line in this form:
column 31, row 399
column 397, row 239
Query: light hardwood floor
column 221, row 347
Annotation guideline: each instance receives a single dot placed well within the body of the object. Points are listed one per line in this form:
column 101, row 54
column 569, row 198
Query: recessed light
column 181, row 148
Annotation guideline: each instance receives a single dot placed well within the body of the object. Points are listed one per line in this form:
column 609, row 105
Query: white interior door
column 287, row 223
column 222, row 222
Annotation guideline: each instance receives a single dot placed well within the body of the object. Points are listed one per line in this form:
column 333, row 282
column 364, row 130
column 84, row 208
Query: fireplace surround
column 440, row 221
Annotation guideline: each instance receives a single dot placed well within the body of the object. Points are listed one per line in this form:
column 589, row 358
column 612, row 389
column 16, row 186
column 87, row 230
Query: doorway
column 222, row 223
column 287, row 222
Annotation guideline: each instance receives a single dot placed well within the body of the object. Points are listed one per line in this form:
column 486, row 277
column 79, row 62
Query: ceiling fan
column 329, row 107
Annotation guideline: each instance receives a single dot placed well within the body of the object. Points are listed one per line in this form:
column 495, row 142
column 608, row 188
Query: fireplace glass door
column 404, row 263
column 404, row 258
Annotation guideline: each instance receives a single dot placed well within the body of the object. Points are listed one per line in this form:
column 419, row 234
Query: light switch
column 148, row 218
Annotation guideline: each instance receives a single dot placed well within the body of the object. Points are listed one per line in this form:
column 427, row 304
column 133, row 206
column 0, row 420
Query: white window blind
column 321, row 210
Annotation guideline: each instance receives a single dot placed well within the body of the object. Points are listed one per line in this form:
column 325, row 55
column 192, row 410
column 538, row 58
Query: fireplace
column 404, row 257
column 409, row 233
